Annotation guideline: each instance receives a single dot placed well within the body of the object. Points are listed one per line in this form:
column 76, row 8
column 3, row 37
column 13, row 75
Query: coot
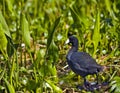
column 81, row 62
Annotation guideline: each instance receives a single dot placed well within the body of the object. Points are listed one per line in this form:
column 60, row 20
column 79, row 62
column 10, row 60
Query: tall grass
column 32, row 35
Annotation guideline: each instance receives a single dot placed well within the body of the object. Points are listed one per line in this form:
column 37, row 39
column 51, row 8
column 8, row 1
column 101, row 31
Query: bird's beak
column 67, row 41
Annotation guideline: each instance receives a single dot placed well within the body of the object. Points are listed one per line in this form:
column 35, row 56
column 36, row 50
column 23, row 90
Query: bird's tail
column 104, row 68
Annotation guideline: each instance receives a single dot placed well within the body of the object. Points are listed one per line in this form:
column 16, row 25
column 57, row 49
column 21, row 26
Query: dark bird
column 80, row 62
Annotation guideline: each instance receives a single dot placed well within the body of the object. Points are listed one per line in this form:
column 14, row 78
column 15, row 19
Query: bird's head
column 72, row 40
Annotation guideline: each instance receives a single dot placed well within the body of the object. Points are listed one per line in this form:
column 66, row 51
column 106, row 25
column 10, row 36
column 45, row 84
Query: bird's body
column 81, row 62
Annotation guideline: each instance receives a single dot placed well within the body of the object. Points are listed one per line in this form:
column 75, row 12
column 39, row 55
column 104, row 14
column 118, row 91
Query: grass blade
column 4, row 25
column 10, row 6
column 96, row 34
column 3, row 41
column 25, row 30
column 9, row 86
column 50, row 33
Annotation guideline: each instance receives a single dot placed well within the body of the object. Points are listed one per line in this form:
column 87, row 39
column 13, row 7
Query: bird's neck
column 73, row 49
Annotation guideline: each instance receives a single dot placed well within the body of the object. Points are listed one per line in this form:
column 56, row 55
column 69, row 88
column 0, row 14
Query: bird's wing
column 84, row 60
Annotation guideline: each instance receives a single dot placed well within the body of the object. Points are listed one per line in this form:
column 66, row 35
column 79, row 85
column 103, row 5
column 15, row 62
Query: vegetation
column 32, row 36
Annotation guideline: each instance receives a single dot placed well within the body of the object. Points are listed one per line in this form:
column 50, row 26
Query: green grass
column 32, row 36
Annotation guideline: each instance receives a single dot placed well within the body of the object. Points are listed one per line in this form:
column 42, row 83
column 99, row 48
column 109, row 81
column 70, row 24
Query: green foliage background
column 32, row 36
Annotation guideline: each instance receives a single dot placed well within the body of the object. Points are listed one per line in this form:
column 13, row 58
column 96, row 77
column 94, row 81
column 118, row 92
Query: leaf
column 115, row 85
column 51, row 32
column 4, row 25
column 2, row 73
column 5, row 29
column 78, row 17
column 25, row 30
column 108, row 5
column 12, row 72
column 54, row 87
column 10, row 47
column 53, row 52
column 75, row 15
column 9, row 86
column 10, row 6
column 39, row 58
column 96, row 37
column 3, row 40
